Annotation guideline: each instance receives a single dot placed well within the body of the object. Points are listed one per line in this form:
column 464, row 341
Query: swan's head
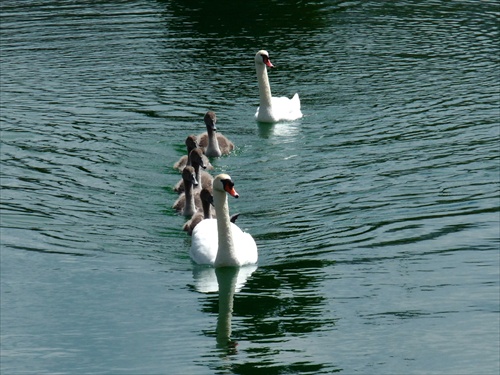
column 223, row 183
column 196, row 156
column 262, row 57
column 191, row 142
column 189, row 176
column 206, row 196
column 210, row 120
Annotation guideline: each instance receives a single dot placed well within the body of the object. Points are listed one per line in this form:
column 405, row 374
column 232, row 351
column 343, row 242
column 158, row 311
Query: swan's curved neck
column 189, row 207
column 226, row 256
column 264, row 87
column 213, row 145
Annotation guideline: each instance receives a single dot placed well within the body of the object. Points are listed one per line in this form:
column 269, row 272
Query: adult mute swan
column 272, row 108
column 219, row 242
column 213, row 143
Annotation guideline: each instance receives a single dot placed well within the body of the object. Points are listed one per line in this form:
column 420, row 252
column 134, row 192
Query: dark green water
column 376, row 215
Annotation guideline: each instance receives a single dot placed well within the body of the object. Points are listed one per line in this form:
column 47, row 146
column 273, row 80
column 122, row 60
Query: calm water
column 376, row 215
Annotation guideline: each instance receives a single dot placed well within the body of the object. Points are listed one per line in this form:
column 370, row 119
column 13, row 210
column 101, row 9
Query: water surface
column 376, row 215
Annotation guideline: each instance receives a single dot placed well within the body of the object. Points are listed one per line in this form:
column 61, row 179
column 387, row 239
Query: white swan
column 219, row 242
column 273, row 109
column 214, row 144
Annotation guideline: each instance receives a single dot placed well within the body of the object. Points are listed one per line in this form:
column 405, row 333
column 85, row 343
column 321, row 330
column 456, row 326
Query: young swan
column 273, row 109
column 219, row 242
column 186, row 160
column 204, row 179
column 185, row 204
column 206, row 201
column 213, row 143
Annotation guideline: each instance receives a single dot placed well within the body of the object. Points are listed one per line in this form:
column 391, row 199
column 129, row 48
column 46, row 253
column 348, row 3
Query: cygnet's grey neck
column 197, row 172
column 189, row 149
column 189, row 207
column 207, row 213
column 213, row 149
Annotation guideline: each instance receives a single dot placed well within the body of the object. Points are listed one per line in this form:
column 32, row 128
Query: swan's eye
column 227, row 183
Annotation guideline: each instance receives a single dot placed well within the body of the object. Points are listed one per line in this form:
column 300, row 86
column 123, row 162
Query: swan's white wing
column 286, row 109
column 204, row 242
column 296, row 101
column 245, row 246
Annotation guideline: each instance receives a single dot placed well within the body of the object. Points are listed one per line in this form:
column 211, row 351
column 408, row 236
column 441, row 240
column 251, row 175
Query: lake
column 376, row 215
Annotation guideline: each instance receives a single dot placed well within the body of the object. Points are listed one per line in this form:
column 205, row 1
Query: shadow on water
column 226, row 278
column 226, row 281
column 209, row 31
column 224, row 18
column 274, row 306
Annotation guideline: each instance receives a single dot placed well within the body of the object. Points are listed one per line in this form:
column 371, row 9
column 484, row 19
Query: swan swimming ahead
column 272, row 108
column 219, row 242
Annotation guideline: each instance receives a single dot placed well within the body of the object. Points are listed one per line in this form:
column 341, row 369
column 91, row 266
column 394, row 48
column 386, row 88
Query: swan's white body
column 219, row 242
column 205, row 245
column 273, row 109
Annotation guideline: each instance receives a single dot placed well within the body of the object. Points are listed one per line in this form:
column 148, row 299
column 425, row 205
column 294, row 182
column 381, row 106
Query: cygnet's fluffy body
column 214, row 144
column 204, row 179
column 185, row 160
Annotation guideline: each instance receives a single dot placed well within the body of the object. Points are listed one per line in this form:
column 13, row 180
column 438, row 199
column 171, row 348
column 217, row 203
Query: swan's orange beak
column 231, row 191
column 267, row 61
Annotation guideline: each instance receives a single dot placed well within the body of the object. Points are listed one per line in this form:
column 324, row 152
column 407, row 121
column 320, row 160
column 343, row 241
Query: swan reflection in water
column 227, row 281
column 283, row 132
